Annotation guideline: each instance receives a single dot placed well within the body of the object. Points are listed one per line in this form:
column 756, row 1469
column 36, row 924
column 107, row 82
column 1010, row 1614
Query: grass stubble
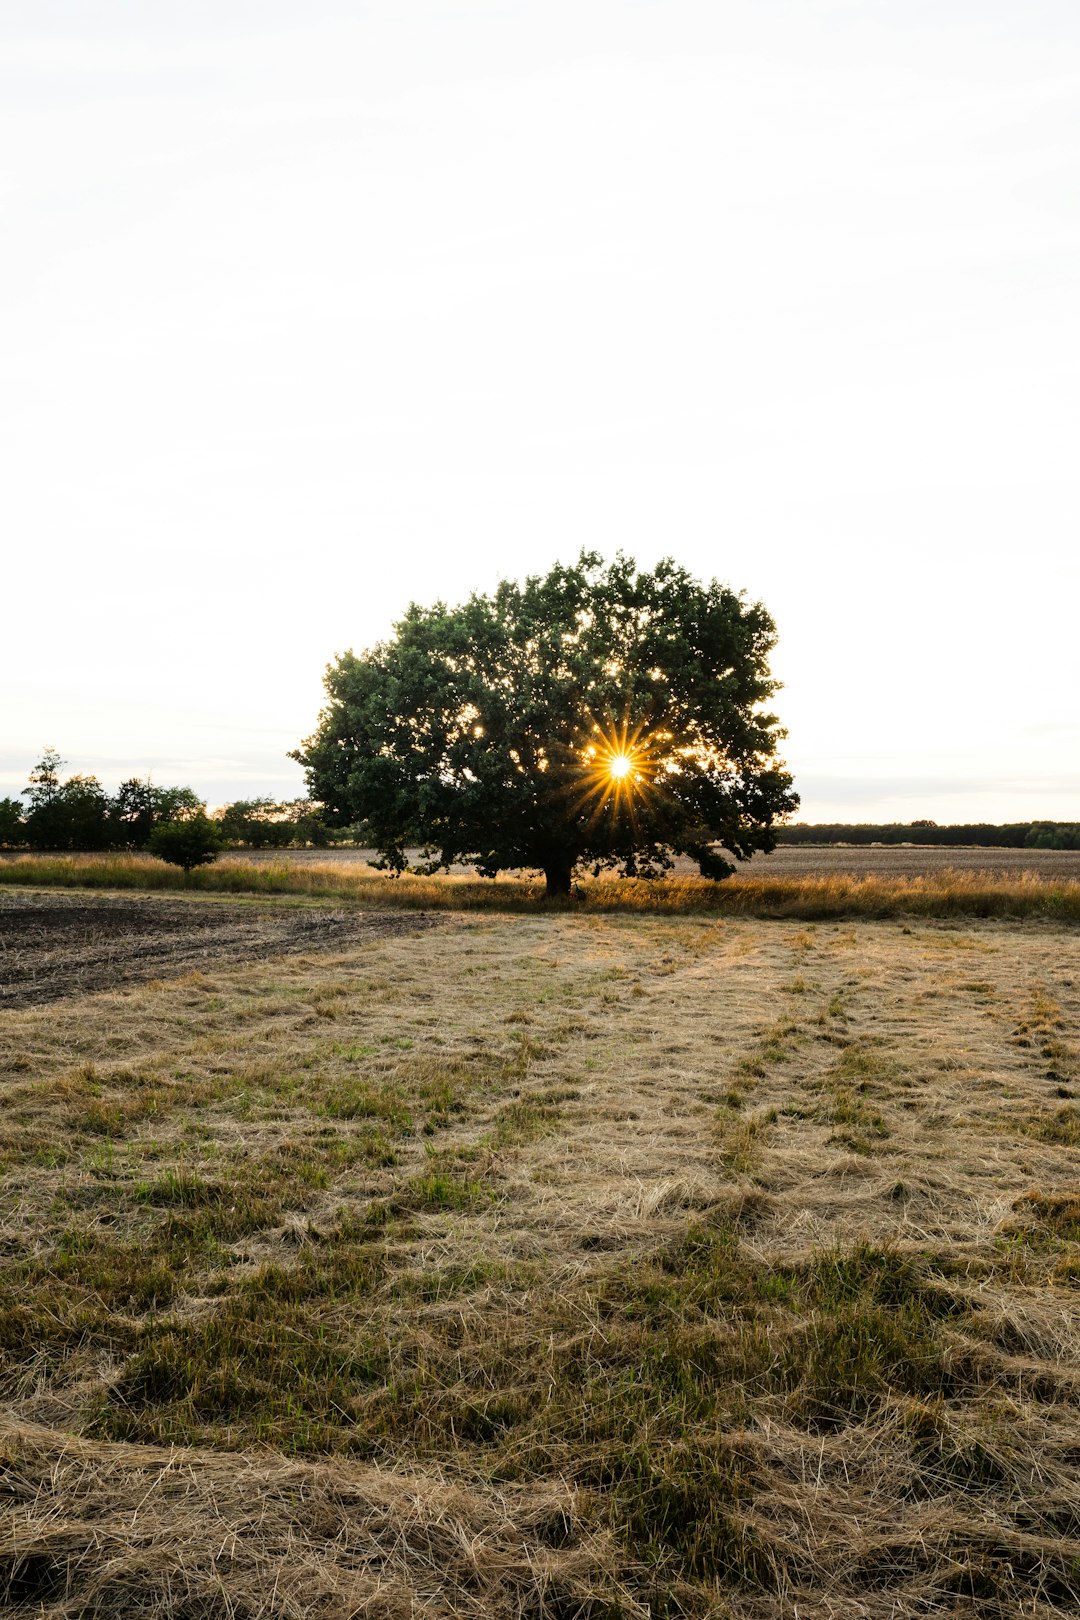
column 554, row 1266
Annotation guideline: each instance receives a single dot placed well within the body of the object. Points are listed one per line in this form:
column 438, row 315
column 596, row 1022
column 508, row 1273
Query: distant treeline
column 78, row 814
column 1012, row 835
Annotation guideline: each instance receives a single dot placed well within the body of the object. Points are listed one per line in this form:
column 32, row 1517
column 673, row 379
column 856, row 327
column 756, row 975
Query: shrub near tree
column 600, row 714
column 193, row 842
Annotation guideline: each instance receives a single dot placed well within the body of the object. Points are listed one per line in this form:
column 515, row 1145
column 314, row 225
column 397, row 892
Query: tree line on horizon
column 986, row 835
column 77, row 814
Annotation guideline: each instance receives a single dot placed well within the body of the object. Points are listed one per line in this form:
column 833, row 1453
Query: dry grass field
column 797, row 861
column 556, row 1266
column 881, row 888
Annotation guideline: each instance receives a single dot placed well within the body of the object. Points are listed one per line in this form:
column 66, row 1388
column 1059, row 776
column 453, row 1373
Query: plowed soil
column 54, row 945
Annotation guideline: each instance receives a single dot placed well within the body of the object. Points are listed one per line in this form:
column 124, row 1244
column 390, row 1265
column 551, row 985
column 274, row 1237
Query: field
column 810, row 889
column 556, row 1266
column 803, row 861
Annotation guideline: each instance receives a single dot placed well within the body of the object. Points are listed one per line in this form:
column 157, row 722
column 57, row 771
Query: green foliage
column 190, row 843
column 482, row 732
column 982, row 835
column 45, row 820
column 253, row 822
column 65, row 815
column 266, row 824
column 12, row 825
column 133, row 812
column 84, row 805
column 1053, row 835
column 77, row 814
column 139, row 806
column 45, row 779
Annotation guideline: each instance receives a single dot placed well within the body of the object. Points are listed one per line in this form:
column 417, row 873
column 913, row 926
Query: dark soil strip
column 54, row 945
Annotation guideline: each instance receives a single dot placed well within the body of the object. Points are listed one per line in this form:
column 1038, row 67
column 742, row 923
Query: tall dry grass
column 949, row 893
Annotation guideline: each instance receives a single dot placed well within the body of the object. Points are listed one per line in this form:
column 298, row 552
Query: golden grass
column 947, row 893
column 548, row 1266
column 158, row 1531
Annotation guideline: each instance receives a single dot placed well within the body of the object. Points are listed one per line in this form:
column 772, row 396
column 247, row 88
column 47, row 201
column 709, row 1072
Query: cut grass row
column 652, row 1388
column 302, row 1216
column 949, row 893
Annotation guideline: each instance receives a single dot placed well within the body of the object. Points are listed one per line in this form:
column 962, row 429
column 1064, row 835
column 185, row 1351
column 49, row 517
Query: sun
column 616, row 773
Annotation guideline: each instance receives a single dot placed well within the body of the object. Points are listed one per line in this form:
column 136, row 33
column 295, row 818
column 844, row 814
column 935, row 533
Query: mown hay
column 143, row 1531
column 583, row 1266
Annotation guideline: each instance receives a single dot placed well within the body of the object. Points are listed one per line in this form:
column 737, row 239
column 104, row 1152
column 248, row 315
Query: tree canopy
column 600, row 714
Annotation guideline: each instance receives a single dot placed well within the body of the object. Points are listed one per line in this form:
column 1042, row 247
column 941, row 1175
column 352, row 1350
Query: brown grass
column 151, row 1530
column 943, row 893
column 550, row 1266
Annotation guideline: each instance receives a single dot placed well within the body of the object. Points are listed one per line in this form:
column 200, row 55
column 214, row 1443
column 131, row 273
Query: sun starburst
column 616, row 772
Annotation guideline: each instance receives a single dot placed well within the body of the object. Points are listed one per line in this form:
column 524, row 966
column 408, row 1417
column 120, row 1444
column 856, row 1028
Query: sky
column 309, row 310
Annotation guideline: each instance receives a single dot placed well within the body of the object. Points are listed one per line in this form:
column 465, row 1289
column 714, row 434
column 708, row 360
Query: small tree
column 194, row 842
column 45, row 820
column 599, row 714
column 12, row 825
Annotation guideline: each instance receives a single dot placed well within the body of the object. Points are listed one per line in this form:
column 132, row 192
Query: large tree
column 599, row 714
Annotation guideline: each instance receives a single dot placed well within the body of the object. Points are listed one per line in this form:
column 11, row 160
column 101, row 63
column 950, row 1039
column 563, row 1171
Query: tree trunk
column 558, row 879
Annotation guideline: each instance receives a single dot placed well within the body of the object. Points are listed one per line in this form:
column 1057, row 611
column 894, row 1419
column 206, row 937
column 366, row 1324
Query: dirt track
column 54, row 945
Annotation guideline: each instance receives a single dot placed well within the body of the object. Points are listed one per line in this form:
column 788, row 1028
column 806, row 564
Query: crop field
column 551, row 1266
column 803, row 860
column 811, row 896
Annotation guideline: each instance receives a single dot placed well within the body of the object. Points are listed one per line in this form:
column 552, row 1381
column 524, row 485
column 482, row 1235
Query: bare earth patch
column 57, row 945
column 554, row 1266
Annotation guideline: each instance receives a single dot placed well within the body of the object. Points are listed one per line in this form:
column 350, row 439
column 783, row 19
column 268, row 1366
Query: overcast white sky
column 311, row 309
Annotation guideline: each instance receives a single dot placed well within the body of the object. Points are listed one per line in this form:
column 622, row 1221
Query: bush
column 190, row 843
